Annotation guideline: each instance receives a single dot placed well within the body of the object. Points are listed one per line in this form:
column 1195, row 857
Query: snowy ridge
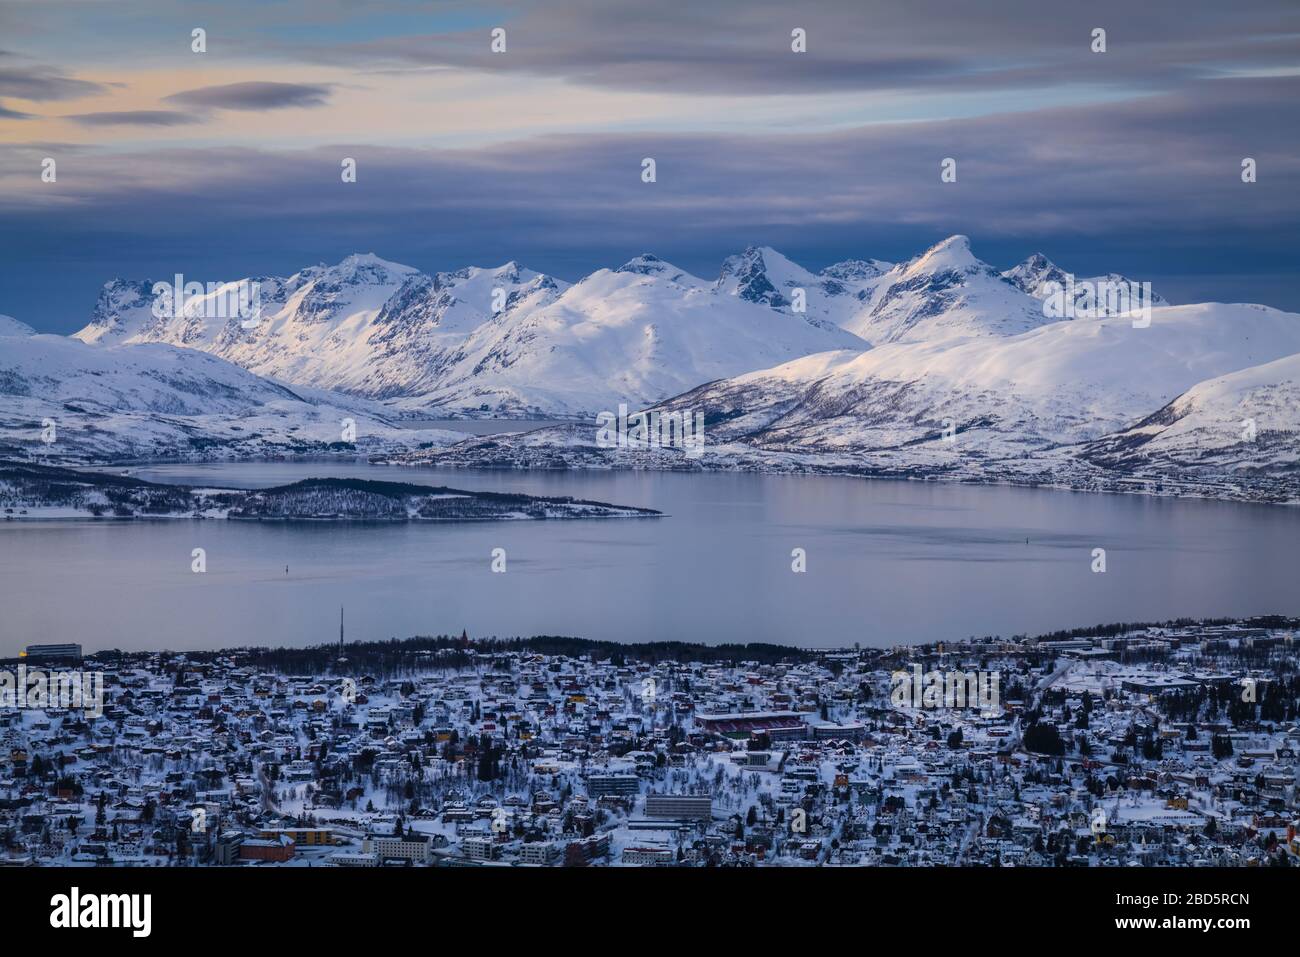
column 509, row 341
column 946, row 293
column 1069, row 402
column 834, row 297
column 503, row 341
column 160, row 401
column 9, row 326
column 1246, row 421
column 1062, row 383
column 365, row 326
column 637, row 334
column 1033, row 275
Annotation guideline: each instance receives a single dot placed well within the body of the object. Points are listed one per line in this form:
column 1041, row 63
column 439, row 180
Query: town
column 1122, row 745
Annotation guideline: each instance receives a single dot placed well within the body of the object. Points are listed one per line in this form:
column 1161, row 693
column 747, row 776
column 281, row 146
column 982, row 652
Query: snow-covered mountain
column 153, row 378
column 945, row 293
column 637, row 335
column 939, row 366
column 364, row 326
column 835, row 296
column 505, row 341
column 1033, row 275
column 513, row 342
column 62, row 399
column 1245, row 421
column 1069, row 403
column 1062, row 383
column 9, row 326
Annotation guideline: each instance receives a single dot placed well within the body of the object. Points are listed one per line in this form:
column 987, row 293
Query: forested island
column 37, row 491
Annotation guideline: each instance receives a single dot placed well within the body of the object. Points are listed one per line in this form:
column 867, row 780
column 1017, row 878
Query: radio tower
column 341, row 657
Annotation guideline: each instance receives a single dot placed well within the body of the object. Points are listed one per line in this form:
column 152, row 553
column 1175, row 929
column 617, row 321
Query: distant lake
column 887, row 562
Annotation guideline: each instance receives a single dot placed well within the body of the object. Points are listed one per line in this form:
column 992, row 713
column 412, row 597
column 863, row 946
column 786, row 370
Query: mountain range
column 636, row 334
column 513, row 342
column 938, row 366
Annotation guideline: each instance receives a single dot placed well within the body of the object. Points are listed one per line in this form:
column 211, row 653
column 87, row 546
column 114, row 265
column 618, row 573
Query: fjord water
column 887, row 562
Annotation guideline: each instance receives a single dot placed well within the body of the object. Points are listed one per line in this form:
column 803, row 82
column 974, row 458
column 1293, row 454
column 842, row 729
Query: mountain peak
column 756, row 259
column 758, row 275
column 647, row 264
column 951, row 255
column 946, row 293
column 1033, row 275
column 1030, row 275
column 765, row 253
column 369, row 261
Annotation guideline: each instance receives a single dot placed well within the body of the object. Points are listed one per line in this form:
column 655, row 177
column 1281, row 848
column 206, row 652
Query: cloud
column 254, row 95
column 1149, row 187
column 933, row 45
column 8, row 114
column 44, row 83
column 134, row 118
column 1165, row 162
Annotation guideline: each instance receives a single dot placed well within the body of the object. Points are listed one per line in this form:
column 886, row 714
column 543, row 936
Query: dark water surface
column 887, row 562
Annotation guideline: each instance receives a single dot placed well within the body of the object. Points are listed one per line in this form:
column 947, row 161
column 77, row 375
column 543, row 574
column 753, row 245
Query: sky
column 226, row 163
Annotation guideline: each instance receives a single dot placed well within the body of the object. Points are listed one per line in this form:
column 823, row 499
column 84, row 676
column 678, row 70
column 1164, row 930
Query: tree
column 1044, row 739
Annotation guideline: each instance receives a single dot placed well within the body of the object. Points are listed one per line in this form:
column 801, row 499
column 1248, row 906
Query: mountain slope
column 1032, row 275
column 440, row 343
column 1068, row 403
column 157, row 400
column 9, row 326
column 634, row 335
column 834, row 297
column 365, row 326
column 1246, row 421
column 1062, row 383
column 945, row 293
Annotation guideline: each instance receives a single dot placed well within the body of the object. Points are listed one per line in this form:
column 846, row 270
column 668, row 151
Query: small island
column 29, row 491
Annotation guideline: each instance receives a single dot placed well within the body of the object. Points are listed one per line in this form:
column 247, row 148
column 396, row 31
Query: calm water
column 887, row 562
